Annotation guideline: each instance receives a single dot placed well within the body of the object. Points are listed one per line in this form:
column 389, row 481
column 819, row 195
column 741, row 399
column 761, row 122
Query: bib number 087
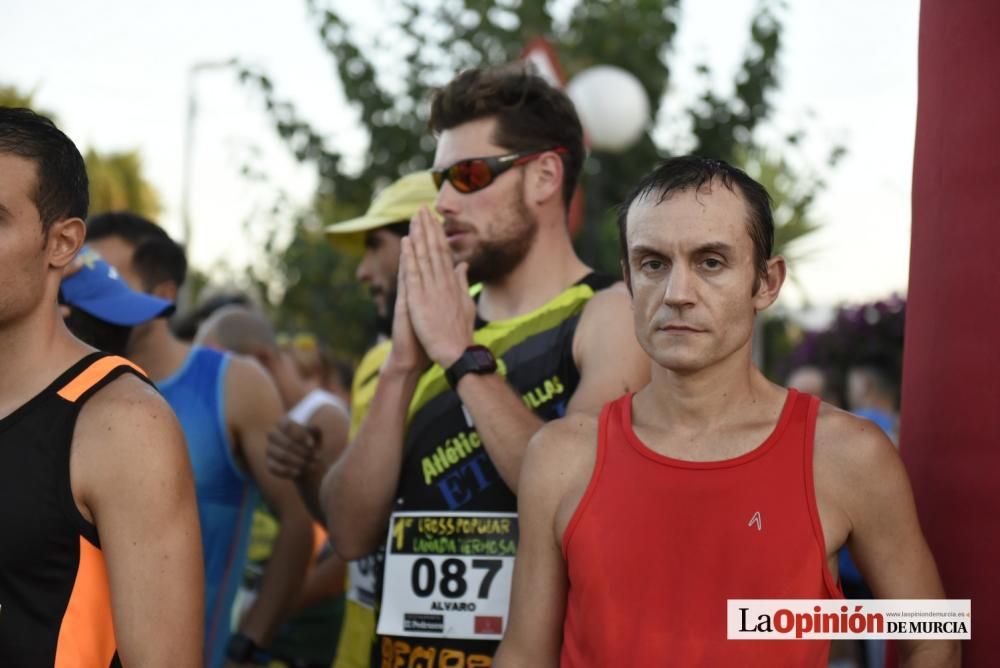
column 452, row 583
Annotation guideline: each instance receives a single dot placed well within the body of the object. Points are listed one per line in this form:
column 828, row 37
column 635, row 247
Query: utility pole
column 192, row 112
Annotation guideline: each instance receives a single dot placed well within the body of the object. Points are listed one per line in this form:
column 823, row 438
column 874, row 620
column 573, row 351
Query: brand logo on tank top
column 755, row 520
column 544, row 393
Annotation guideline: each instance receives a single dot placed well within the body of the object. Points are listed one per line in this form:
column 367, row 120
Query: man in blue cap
column 100, row 308
column 226, row 406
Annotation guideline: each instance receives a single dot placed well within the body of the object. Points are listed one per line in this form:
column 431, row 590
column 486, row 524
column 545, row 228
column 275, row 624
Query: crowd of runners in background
column 533, row 465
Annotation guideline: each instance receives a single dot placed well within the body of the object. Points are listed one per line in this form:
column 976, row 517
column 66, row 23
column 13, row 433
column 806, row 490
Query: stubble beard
column 383, row 321
column 495, row 258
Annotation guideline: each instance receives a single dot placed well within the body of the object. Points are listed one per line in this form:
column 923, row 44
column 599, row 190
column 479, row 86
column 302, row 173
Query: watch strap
column 241, row 648
column 475, row 359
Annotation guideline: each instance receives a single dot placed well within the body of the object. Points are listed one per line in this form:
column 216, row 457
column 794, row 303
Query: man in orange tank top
column 712, row 482
column 100, row 555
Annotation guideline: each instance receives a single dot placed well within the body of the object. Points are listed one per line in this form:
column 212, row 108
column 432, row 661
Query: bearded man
column 469, row 380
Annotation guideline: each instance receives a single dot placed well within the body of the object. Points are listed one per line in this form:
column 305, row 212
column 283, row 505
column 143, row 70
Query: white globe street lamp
column 612, row 105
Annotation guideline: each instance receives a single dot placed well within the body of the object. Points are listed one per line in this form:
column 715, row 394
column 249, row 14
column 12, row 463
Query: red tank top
column 657, row 546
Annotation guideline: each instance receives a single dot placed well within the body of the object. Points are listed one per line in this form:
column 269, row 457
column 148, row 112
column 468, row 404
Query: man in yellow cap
column 376, row 237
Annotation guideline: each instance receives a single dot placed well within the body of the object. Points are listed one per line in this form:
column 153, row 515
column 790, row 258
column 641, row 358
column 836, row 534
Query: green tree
column 12, row 97
column 317, row 292
column 422, row 43
column 117, row 183
column 861, row 334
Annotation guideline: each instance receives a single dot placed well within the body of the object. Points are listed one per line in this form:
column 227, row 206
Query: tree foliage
column 116, row 179
column 117, row 184
column 308, row 286
column 388, row 79
column 858, row 335
column 12, row 97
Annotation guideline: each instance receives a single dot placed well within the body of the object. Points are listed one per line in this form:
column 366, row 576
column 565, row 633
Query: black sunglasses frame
column 495, row 164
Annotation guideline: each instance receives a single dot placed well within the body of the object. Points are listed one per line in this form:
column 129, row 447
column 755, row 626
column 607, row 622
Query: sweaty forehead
column 468, row 140
column 689, row 217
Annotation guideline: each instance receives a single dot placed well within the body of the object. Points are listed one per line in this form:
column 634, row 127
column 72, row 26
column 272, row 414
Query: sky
column 116, row 73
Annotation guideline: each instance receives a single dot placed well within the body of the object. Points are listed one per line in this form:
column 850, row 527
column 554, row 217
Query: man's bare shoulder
column 608, row 301
column 327, row 414
column 333, row 423
column 848, row 440
column 126, row 421
column 127, row 406
column 563, row 450
column 606, row 351
column 127, row 438
column 567, row 434
column 558, row 467
column 245, row 372
column 852, row 453
column 251, row 395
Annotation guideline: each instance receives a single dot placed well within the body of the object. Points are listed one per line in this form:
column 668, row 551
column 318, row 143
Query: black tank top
column 55, row 607
column 447, row 474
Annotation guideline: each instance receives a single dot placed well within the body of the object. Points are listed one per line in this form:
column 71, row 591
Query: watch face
column 475, row 359
column 483, row 358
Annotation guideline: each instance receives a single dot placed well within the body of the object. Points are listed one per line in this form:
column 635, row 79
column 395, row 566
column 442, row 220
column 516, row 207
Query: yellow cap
column 397, row 202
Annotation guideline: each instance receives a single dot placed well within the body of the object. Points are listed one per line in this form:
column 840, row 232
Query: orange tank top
column 657, row 546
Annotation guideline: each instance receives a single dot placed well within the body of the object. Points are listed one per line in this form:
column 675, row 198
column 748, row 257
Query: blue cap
column 96, row 288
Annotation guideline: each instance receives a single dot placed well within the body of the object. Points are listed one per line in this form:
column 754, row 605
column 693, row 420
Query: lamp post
column 192, row 112
column 185, row 298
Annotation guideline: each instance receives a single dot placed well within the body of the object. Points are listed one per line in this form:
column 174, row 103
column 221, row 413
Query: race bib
column 448, row 575
column 361, row 581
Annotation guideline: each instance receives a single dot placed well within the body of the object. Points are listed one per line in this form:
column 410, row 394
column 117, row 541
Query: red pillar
column 950, row 438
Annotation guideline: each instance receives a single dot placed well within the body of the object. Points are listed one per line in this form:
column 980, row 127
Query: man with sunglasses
column 433, row 471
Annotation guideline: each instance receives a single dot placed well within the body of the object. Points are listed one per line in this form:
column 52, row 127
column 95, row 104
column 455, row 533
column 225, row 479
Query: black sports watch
column 475, row 359
column 241, row 648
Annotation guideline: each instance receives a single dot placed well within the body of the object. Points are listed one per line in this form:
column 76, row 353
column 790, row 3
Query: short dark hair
column 693, row 172
column 157, row 258
column 131, row 227
column 62, row 189
column 400, row 228
column 530, row 114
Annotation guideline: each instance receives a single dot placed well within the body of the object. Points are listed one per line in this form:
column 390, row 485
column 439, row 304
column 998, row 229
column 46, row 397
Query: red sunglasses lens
column 470, row 175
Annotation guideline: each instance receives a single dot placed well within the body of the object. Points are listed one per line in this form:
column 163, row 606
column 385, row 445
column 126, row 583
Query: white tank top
column 303, row 411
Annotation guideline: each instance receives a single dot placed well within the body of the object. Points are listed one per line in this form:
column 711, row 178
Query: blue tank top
column 226, row 497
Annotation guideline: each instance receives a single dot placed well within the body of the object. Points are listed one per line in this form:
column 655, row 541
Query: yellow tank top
column 358, row 629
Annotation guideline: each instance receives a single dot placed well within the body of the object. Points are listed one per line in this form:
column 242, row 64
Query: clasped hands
column 434, row 315
column 432, row 322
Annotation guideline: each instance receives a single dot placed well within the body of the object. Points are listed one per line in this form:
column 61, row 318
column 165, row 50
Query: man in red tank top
column 711, row 483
